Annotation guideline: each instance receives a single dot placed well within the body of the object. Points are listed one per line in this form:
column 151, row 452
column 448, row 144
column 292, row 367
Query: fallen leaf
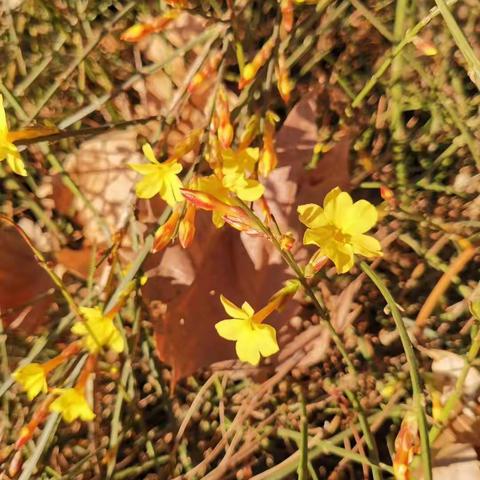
column 25, row 288
column 99, row 168
column 183, row 291
column 456, row 462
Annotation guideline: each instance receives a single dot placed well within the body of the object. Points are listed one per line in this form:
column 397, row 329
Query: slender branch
column 418, row 397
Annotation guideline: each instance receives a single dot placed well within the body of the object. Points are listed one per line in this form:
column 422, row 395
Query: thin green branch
column 462, row 43
column 394, row 51
column 418, row 397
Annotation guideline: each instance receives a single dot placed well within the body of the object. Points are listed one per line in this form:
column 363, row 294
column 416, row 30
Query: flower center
column 339, row 236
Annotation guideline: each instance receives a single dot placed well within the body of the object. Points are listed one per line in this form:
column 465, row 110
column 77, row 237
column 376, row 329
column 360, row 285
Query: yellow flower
column 236, row 165
column 32, row 378
column 161, row 178
column 245, row 328
column 8, row 149
column 72, row 404
column 339, row 227
column 214, row 186
column 98, row 331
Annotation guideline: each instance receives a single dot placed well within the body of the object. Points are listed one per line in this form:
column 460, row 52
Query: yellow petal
column 247, row 349
column 149, row 186
column 266, row 338
column 32, row 378
column 319, row 236
column 232, row 309
column 252, row 191
column 144, row 168
column 16, row 163
column 3, row 118
column 91, row 313
column 247, row 308
column 232, row 329
column 366, row 245
column 116, row 342
column 72, row 404
column 79, row 328
column 363, row 217
column 338, row 209
column 312, row 215
column 341, row 255
column 217, row 219
column 169, row 190
column 331, row 196
column 149, row 154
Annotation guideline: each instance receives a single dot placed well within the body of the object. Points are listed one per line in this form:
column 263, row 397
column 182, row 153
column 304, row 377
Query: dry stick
column 442, row 285
column 235, row 426
column 418, row 398
column 193, row 408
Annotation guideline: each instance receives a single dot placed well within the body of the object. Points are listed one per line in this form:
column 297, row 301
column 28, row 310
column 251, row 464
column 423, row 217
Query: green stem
column 397, row 125
column 324, row 317
column 409, row 36
column 418, row 397
column 461, row 41
column 327, row 447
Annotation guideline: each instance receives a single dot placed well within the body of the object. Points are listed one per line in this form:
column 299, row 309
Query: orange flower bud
column 225, row 135
column 141, row 30
column 204, row 200
column 316, row 263
column 189, row 143
column 250, row 131
column 186, row 229
column 206, row 72
column 251, row 69
column 225, row 128
column 284, row 82
column 268, row 158
column 287, row 240
column 165, row 233
column 39, row 416
column 386, row 193
column 286, row 7
column 407, row 444
column 177, row 3
column 239, row 220
column 136, row 32
column 234, row 216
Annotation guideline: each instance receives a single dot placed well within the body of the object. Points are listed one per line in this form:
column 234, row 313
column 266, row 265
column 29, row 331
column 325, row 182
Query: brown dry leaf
column 25, row 288
column 99, row 168
column 184, row 286
column 77, row 262
column 457, row 461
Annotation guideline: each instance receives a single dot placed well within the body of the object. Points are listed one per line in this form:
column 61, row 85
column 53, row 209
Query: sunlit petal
column 362, row 218
column 366, row 245
column 247, row 350
column 312, row 215
column 232, row 329
column 232, row 309
column 266, row 337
